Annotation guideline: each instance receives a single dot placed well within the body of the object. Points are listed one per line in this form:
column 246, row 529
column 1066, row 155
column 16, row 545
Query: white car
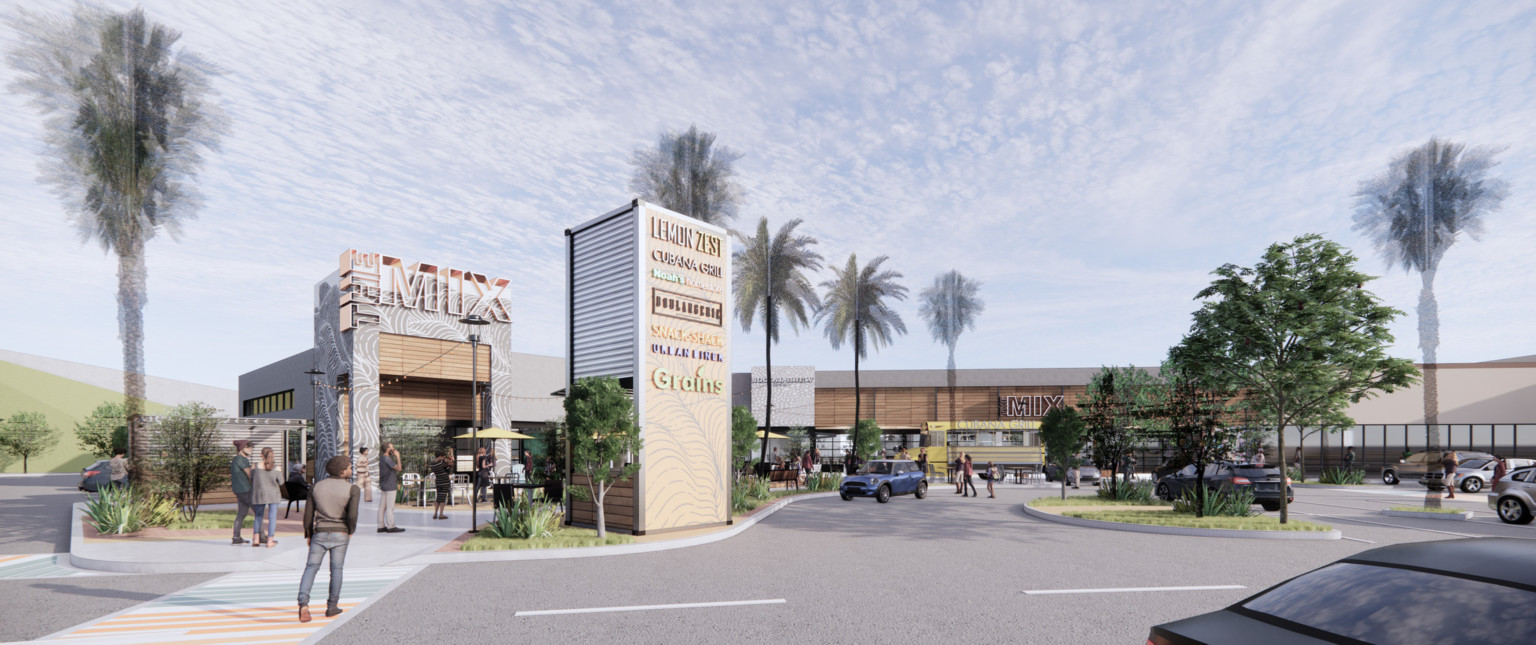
column 1473, row 475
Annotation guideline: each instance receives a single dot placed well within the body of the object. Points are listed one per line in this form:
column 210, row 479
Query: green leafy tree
column 855, row 307
column 1200, row 424
column 1063, row 433
column 27, row 435
column 950, row 308
column 743, row 435
column 1120, row 411
column 188, row 456
column 866, row 439
column 104, row 431
column 128, row 120
column 603, row 432
column 1426, row 200
column 686, row 173
column 769, row 277
column 1296, row 335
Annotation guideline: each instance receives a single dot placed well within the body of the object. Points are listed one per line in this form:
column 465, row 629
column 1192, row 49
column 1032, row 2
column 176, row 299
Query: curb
column 600, row 551
column 1179, row 530
column 1426, row 515
column 77, row 545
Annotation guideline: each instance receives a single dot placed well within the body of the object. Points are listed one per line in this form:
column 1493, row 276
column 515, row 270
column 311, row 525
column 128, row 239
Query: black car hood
column 1228, row 628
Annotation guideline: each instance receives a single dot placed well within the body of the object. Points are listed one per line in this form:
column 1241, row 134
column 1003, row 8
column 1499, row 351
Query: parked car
column 882, row 478
column 1514, row 497
column 1416, row 465
column 1086, row 474
column 96, row 475
column 1265, row 482
column 1476, row 590
column 1472, row 475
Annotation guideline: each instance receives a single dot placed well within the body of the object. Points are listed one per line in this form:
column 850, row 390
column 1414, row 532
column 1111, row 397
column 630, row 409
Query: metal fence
column 1378, row 445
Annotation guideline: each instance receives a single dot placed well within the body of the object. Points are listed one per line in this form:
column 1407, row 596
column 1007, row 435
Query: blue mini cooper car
column 883, row 478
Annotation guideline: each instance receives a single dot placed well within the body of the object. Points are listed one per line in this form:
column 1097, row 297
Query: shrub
column 824, row 482
column 524, row 520
column 117, row 510
column 1134, row 490
column 741, row 498
column 1220, row 502
column 1342, row 476
column 1296, row 474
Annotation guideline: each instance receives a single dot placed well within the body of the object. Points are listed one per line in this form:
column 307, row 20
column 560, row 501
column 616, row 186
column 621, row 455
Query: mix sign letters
column 1028, row 406
column 370, row 280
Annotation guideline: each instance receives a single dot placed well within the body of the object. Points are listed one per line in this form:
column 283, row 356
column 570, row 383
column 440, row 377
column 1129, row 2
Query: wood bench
column 787, row 476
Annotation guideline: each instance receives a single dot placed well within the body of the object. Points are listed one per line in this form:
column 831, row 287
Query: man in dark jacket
column 329, row 522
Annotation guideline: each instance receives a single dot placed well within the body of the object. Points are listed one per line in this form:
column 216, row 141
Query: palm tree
column 128, row 120
column 854, row 306
column 688, row 174
column 769, row 279
column 950, row 307
column 1428, row 197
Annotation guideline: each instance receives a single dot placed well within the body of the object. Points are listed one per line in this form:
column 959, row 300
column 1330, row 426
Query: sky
column 1089, row 163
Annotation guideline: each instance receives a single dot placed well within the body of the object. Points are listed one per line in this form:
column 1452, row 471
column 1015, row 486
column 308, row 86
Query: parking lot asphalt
column 942, row 567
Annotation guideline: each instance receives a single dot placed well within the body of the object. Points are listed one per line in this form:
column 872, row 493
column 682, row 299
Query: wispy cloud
column 1091, row 163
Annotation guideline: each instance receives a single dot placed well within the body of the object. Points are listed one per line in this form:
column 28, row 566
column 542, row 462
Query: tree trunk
column 131, row 278
column 598, row 493
column 1285, row 507
column 768, row 383
column 856, row 401
column 1429, row 341
column 952, row 379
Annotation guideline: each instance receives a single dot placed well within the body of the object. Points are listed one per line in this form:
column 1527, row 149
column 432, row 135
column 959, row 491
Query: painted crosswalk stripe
column 44, row 565
column 686, row 605
column 1044, row 592
column 239, row 608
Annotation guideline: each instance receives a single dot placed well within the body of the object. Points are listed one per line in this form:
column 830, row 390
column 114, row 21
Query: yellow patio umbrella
column 493, row 433
column 771, row 435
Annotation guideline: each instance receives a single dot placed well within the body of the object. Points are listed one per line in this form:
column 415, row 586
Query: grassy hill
column 65, row 402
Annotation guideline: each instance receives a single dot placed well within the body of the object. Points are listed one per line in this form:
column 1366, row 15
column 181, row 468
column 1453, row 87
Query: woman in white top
column 266, row 496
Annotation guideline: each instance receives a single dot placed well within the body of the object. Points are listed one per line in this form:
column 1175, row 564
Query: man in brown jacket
column 330, row 519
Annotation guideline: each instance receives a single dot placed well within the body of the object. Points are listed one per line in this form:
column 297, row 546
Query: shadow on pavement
column 34, row 513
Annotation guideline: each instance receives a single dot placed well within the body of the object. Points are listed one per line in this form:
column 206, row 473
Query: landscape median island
column 1159, row 513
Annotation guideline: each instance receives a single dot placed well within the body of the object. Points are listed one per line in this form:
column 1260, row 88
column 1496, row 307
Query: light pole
column 474, row 430
column 314, row 412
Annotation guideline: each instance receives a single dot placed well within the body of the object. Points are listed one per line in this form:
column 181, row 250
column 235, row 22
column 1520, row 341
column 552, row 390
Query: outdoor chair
column 412, row 481
column 461, row 488
column 296, row 492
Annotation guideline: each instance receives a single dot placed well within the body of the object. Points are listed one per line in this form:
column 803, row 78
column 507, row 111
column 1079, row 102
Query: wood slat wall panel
column 427, row 399
column 618, row 505
column 429, row 358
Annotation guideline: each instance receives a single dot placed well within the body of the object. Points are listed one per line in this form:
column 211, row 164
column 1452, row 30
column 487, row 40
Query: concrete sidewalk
column 418, row 545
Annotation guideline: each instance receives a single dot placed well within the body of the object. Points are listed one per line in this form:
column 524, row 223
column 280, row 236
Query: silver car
column 1473, row 475
column 1414, row 466
column 1514, row 497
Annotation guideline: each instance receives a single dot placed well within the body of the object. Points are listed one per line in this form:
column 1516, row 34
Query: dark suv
column 1264, row 482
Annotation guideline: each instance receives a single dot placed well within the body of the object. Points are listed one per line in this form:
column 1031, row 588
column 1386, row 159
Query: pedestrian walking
column 1449, row 464
column 991, row 477
column 922, row 462
column 240, row 484
column 1500, row 469
column 1074, row 475
column 1349, row 458
column 363, row 473
column 485, row 464
column 389, row 482
column 329, row 522
column 266, row 496
column 442, row 474
column 958, row 473
column 119, row 468
column 527, row 462
column 969, row 488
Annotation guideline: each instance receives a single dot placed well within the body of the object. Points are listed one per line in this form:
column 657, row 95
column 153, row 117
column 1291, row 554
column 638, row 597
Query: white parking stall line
column 686, row 605
column 1045, row 592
